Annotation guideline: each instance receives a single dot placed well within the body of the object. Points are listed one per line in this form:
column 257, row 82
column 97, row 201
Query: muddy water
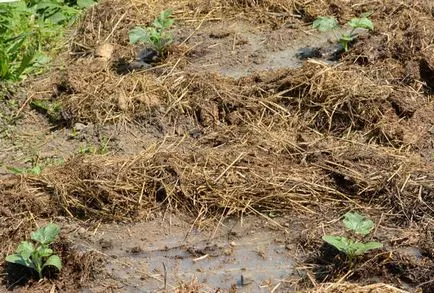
column 251, row 257
column 241, row 50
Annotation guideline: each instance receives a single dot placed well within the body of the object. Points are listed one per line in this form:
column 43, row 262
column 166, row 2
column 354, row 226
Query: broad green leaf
column 46, row 235
column 54, row 261
column 325, row 23
column 18, row 259
column 25, row 249
column 26, row 62
column 57, row 17
column 341, row 243
column 361, row 248
column 138, row 34
column 36, row 170
column 358, row 223
column 361, row 22
column 85, row 3
column 44, row 251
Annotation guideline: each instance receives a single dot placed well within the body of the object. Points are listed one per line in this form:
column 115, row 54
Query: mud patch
column 238, row 49
column 252, row 256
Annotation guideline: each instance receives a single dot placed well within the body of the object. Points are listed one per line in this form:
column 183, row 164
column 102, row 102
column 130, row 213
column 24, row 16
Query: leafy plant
column 37, row 254
column 155, row 35
column 325, row 23
column 353, row 248
column 30, row 30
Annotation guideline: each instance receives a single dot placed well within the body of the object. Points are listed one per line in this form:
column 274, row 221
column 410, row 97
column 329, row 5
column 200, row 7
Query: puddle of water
column 257, row 50
column 253, row 260
column 285, row 58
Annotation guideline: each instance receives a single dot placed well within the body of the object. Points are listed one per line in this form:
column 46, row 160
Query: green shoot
column 324, row 23
column 353, row 248
column 155, row 35
column 37, row 254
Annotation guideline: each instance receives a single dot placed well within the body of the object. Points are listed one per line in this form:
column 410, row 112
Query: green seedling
column 37, row 254
column 156, row 35
column 325, row 23
column 36, row 170
column 353, row 248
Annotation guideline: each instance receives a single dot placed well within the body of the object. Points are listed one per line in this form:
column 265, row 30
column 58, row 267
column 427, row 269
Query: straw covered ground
column 306, row 143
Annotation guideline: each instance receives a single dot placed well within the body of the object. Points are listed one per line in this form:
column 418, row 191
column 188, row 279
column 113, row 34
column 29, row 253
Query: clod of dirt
column 104, row 51
column 426, row 68
column 309, row 52
column 147, row 55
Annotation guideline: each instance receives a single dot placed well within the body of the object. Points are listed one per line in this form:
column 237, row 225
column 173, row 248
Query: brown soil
column 220, row 168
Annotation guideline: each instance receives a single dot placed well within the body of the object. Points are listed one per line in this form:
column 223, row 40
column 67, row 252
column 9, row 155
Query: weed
column 325, row 23
column 155, row 35
column 353, row 248
column 37, row 254
column 52, row 109
column 30, row 30
column 36, row 170
column 100, row 149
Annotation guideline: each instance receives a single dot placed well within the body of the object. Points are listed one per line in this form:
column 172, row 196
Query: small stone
column 106, row 243
column 79, row 126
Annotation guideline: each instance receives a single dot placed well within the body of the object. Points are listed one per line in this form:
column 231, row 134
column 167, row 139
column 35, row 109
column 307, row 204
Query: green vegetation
column 100, row 149
column 353, row 248
column 53, row 110
column 155, row 35
column 325, row 23
column 30, row 31
column 37, row 254
column 36, row 170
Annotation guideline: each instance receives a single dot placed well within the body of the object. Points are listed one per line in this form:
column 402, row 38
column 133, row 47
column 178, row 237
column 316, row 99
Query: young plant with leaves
column 37, row 254
column 157, row 35
column 352, row 247
column 325, row 23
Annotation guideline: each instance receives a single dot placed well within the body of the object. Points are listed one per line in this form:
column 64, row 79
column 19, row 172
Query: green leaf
column 46, row 235
column 85, row 3
column 36, row 170
column 341, row 243
column 20, row 260
column 164, row 20
column 25, row 249
column 138, row 34
column 361, row 22
column 361, row 248
column 44, row 251
column 325, row 23
column 358, row 223
column 54, row 261
column 26, row 62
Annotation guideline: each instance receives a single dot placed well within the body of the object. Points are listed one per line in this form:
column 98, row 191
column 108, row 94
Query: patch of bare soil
column 220, row 168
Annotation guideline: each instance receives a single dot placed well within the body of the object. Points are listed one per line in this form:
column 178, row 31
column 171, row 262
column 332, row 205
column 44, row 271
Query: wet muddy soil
column 252, row 256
